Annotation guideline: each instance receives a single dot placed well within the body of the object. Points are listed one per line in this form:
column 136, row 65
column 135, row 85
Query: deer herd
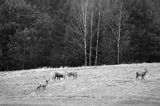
column 58, row 76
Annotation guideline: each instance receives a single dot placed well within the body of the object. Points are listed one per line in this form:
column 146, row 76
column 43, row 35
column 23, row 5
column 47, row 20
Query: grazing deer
column 73, row 74
column 58, row 76
column 43, row 85
column 142, row 74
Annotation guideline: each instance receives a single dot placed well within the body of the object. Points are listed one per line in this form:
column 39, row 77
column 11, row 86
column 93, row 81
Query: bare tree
column 79, row 23
column 119, row 32
column 117, row 21
column 99, row 19
column 85, row 31
column 91, row 23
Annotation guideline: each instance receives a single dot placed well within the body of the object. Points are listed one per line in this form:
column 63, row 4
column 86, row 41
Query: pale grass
column 107, row 84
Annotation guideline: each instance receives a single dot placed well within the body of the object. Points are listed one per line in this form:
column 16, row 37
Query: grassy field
column 113, row 85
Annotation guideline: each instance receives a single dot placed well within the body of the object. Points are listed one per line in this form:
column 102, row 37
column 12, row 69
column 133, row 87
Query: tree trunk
column 99, row 14
column 85, row 32
column 119, row 34
column 90, row 53
column 118, row 52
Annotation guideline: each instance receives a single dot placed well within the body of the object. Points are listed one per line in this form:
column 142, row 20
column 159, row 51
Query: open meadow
column 112, row 85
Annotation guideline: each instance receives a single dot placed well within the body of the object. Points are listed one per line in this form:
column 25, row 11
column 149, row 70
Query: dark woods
column 58, row 33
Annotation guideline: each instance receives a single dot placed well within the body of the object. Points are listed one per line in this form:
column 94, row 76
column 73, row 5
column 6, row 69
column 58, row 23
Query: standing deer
column 142, row 74
column 73, row 74
column 43, row 86
column 58, row 76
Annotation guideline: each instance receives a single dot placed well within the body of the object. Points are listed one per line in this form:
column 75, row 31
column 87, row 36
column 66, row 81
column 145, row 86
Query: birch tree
column 79, row 23
column 91, row 32
column 117, row 21
column 98, row 28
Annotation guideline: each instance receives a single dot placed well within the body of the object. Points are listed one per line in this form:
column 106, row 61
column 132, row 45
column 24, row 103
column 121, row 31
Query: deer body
column 58, row 76
column 43, row 86
column 142, row 74
column 73, row 74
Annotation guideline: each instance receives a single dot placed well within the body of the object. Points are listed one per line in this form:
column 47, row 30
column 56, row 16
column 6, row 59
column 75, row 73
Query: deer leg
column 142, row 76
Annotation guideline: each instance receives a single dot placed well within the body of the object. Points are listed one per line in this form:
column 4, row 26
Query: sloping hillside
column 113, row 85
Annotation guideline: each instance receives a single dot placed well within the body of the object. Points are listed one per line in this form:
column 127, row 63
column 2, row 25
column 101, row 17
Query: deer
column 58, row 76
column 73, row 74
column 43, row 86
column 142, row 74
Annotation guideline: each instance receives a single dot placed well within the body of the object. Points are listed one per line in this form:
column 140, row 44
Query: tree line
column 54, row 33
